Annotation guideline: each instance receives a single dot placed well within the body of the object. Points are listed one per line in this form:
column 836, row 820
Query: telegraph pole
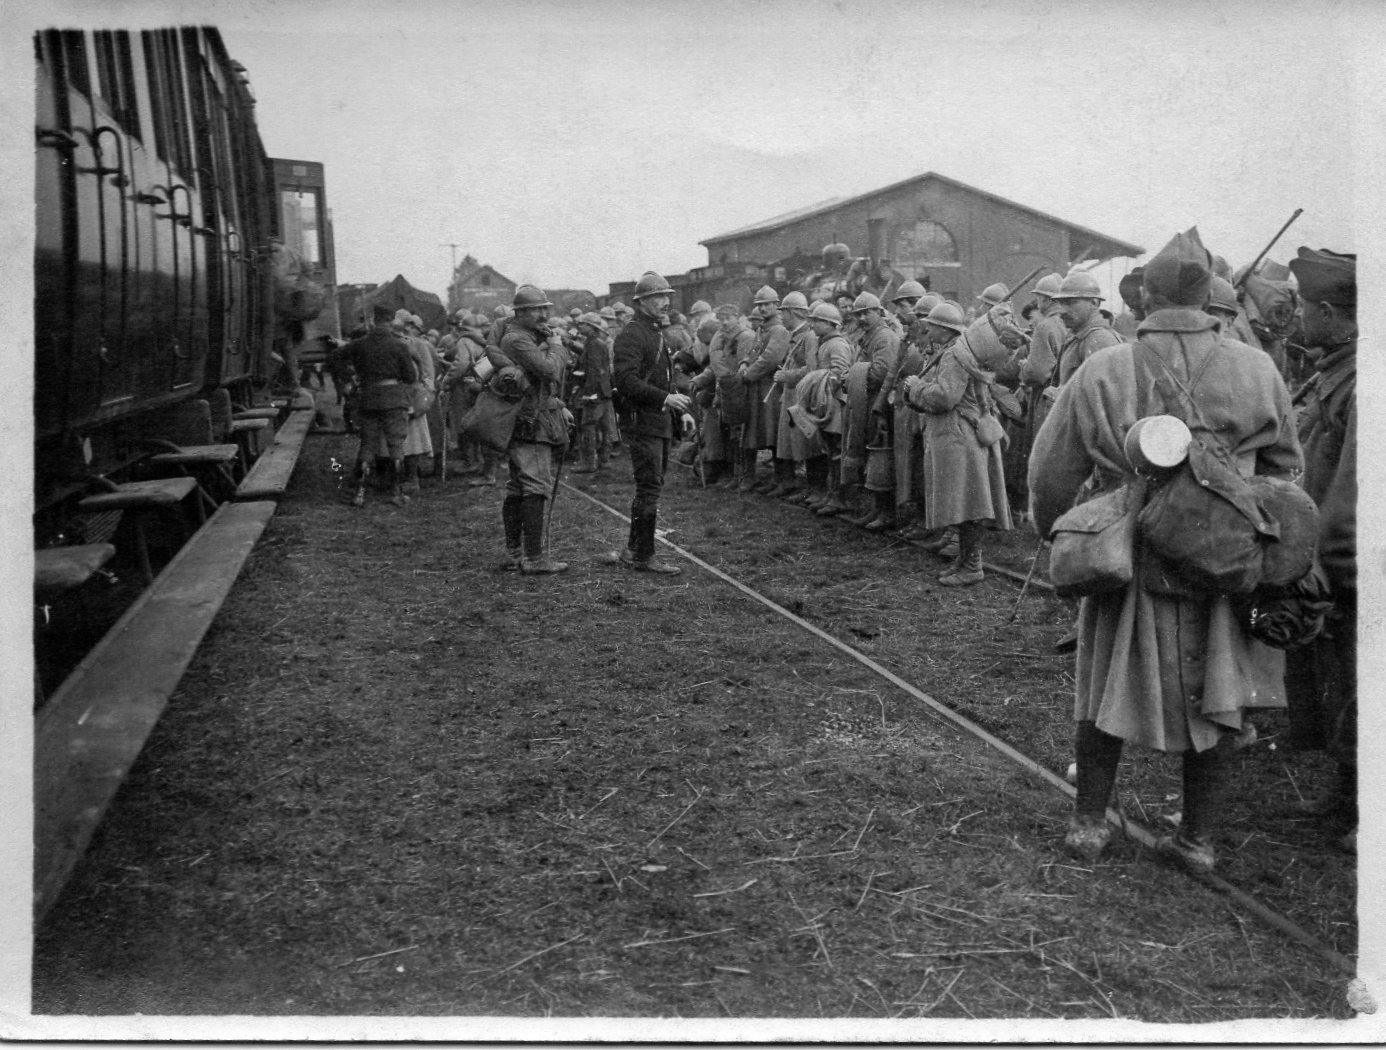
column 452, row 274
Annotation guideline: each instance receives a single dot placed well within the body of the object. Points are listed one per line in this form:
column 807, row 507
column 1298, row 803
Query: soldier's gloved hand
column 690, row 425
column 679, row 403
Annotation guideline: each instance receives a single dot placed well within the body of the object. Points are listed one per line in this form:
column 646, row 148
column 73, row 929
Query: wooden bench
column 143, row 498
column 93, row 727
column 270, row 476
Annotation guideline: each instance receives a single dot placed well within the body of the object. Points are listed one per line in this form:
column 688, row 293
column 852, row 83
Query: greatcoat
column 1167, row 673
column 962, row 480
column 762, row 393
column 799, row 360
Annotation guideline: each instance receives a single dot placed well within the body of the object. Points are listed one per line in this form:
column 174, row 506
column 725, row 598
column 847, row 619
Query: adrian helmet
column 908, row 290
column 825, row 311
column 651, row 283
column 794, row 301
column 865, row 301
column 948, row 315
column 1079, row 284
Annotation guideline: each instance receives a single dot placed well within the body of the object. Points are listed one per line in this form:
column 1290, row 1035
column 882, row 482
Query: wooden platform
column 269, row 477
column 90, row 732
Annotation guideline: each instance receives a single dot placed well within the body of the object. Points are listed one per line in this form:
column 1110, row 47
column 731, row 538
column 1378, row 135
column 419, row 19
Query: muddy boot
column 410, row 483
column 1098, row 755
column 945, row 544
column 783, row 477
column 884, row 519
column 643, row 553
column 362, row 480
column 536, row 561
column 839, row 502
column 397, row 494
column 512, row 516
column 864, row 513
column 815, row 490
column 968, row 568
column 748, row 471
column 1192, row 844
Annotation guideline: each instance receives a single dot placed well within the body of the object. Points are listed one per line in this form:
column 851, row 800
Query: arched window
column 922, row 245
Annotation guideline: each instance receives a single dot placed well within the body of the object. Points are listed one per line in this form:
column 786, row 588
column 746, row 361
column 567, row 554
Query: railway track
column 1130, row 828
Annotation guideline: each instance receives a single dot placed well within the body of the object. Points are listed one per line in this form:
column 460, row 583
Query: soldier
column 720, row 388
column 834, row 356
column 881, row 348
column 1322, row 678
column 385, row 375
column 904, row 422
column 644, row 375
column 964, row 484
column 418, row 441
column 698, row 315
column 761, row 393
column 594, row 370
column 1080, row 302
column 1165, row 672
column 541, row 430
column 909, row 424
column 791, row 447
column 991, row 295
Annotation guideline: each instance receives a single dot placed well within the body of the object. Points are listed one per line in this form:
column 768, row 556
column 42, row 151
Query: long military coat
column 799, row 360
column 1166, row 673
column 762, row 392
column 962, row 480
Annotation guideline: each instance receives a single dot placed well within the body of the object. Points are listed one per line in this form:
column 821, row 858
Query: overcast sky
column 574, row 144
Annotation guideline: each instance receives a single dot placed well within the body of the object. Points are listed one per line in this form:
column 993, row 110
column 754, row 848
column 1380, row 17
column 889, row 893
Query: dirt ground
column 396, row 781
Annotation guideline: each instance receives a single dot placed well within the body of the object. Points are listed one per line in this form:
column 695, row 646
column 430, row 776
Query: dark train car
column 155, row 211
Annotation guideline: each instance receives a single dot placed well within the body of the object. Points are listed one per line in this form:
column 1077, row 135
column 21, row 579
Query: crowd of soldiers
column 905, row 412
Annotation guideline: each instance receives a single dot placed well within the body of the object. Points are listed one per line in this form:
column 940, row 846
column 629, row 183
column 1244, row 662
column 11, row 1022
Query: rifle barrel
column 1266, row 250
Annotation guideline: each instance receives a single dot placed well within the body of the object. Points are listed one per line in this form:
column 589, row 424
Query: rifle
column 1022, row 283
column 1264, row 251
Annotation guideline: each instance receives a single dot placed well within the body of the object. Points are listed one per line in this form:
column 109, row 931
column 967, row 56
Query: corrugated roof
column 778, row 221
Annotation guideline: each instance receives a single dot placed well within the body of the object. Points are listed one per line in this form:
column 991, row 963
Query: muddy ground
column 396, row 781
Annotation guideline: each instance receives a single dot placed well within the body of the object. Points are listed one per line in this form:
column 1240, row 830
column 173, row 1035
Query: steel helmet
column 767, row 296
column 651, row 283
column 1222, row 296
column 528, row 295
column 825, row 311
column 401, row 318
column 700, row 307
column 948, row 315
column 865, row 301
column 594, row 320
column 794, row 301
column 908, row 290
column 575, row 313
column 608, row 313
column 1079, row 284
column 993, row 294
column 927, row 302
column 416, row 321
column 1048, row 285
column 836, row 251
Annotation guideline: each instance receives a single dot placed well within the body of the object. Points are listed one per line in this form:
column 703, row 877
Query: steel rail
column 1132, row 830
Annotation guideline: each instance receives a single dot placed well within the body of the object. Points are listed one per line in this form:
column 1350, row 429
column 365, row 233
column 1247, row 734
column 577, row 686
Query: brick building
column 476, row 286
column 956, row 238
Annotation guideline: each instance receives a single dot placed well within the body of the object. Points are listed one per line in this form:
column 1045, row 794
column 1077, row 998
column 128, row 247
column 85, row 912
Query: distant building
column 954, row 238
column 565, row 299
column 476, row 286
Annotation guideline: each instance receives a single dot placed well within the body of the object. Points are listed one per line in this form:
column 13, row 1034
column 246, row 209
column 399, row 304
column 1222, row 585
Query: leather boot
column 1192, row 844
column 362, row 479
column 940, row 544
column 884, row 519
column 867, row 516
column 783, row 478
column 512, row 519
column 587, row 463
column 644, row 559
column 536, row 561
column 397, row 494
column 1098, row 755
column 839, row 502
column 748, row 471
column 968, row 569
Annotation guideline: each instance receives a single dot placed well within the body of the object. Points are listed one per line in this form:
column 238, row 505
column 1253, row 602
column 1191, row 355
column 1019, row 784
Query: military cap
column 728, row 310
column 1129, row 287
column 1181, row 271
column 707, row 329
column 1326, row 277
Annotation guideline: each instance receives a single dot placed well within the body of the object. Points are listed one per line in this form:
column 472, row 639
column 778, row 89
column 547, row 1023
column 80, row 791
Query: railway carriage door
column 68, row 283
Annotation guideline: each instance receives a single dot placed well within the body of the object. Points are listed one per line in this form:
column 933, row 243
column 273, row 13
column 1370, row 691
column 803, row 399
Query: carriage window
column 169, row 108
column 116, row 77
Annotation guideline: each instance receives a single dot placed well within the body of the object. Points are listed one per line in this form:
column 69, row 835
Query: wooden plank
column 89, row 734
column 270, row 476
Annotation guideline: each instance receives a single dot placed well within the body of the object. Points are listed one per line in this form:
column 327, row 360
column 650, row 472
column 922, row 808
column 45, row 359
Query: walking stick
column 1015, row 611
column 553, row 495
column 443, row 455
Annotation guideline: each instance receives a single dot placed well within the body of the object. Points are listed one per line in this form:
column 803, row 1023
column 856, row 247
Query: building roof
column 790, row 217
column 466, row 273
